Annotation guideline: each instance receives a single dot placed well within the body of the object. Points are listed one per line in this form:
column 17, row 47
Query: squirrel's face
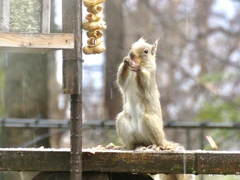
column 141, row 55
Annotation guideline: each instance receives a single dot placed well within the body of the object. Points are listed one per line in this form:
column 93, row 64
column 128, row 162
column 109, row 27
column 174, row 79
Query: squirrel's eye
column 145, row 51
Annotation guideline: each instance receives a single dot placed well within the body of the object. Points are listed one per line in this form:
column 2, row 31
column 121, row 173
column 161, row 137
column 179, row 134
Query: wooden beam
column 33, row 160
column 191, row 162
column 46, row 10
column 72, row 59
column 35, row 42
column 92, row 176
column 4, row 15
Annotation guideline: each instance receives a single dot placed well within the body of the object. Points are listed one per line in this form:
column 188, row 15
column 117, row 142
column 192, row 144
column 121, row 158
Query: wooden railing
column 190, row 162
column 112, row 161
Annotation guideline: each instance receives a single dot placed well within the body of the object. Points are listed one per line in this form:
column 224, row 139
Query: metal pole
column 76, row 100
column 76, row 138
column 189, row 143
column 72, row 81
column 202, row 138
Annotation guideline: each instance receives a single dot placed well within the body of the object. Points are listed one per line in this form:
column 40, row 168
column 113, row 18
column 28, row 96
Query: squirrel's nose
column 132, row 55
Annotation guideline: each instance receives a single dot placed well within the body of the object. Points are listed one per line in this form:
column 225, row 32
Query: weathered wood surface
column 191, row 162
column 35, row 42
column 34, row 160
column 46, row 11
column 4, row 15
column 72, row 66
column 92, row 176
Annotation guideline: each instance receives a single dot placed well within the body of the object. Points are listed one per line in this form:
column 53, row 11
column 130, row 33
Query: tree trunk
column 202, row 18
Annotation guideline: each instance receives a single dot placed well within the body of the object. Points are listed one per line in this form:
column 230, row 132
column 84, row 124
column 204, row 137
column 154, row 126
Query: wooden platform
column 35, row 42
column 191, row 162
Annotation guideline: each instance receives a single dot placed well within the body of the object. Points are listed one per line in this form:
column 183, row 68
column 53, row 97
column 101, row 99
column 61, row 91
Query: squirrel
column 140, row 123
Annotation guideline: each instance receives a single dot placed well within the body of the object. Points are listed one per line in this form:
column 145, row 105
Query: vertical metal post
column 76, row 138
column 72, row 81
column 189, row 143
column 203, row 124
column 202, row 138
column 4, row 26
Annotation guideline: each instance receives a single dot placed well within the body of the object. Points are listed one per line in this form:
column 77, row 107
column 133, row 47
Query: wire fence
column 64, row 124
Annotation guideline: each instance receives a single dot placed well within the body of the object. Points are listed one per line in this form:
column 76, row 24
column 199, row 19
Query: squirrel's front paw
column 134, row 66
column 126, row 61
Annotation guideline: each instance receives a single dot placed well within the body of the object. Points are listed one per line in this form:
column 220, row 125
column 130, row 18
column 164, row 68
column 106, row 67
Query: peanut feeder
column 94, row 26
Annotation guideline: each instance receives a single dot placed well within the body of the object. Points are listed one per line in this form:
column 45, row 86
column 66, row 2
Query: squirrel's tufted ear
column 154, row 47
column 141, row 40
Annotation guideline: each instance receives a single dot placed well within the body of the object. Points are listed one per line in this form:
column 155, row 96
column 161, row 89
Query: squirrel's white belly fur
column 134, row 106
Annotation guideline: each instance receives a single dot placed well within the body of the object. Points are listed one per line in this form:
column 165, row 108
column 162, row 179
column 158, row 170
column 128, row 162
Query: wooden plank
column 4, row 15
column 35, row 42
column 92, row 176
column 191, row 162
column 139, row 162
column 46, row 10
column 36, row 160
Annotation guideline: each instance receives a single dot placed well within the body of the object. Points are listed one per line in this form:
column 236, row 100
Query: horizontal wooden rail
column 35, row 42
column 191, row 162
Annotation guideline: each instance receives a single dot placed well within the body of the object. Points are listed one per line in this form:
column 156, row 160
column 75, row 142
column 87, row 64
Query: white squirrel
column 140, row 123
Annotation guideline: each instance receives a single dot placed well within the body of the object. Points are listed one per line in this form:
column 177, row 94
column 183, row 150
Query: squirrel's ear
column 141, row 40
column 154, row 47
